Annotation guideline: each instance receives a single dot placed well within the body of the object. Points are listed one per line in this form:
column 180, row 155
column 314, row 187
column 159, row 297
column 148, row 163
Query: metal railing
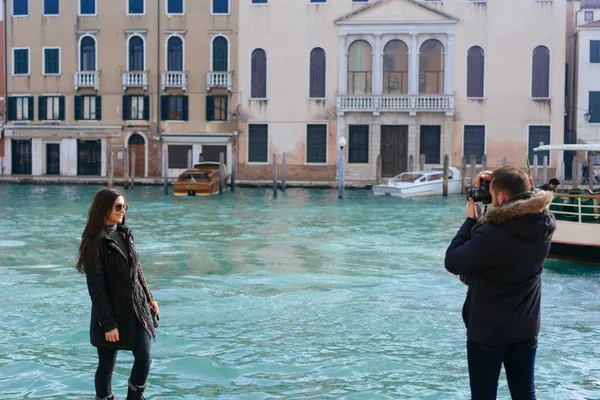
column 576, row 208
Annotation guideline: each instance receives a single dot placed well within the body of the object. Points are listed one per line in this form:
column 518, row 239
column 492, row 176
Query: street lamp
column 342, row 143
column 587, row 116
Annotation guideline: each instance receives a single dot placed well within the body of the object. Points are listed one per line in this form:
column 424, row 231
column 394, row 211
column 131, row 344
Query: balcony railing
column 174, row 79
column 218, row 80
column 395, row 103
column 87, row 79
column 135, row 79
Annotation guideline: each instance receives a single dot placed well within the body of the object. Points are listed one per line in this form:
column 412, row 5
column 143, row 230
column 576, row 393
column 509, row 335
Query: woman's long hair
column 99, row 211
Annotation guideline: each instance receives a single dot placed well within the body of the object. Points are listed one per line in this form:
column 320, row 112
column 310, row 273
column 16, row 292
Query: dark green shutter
column 185, row 108
column 61, row 108
column 164, row 108
column 226, row 108
column 30, row 108
column 99, row 108
column 77, row 102
column 42, row 108
column 147, row 108
column 210, row 108
column 594, row 53
column 11, row 109
column 126, row 108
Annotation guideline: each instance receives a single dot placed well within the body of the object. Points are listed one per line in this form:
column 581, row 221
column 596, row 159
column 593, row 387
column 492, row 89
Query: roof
column 593, row 24
column 418, row 3
column 590, row 4
column 571, row 147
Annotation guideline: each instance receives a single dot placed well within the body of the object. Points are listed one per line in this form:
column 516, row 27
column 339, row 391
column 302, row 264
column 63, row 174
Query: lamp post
column 587, row 116
column 341, row 166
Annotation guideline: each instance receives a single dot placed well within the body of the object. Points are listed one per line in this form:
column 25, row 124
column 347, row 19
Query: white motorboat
column 420, row 183
column 577, row 213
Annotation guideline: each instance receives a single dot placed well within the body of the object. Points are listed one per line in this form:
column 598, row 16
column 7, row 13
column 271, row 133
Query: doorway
column 137, row 143
column 52, row 159
column 394, row 150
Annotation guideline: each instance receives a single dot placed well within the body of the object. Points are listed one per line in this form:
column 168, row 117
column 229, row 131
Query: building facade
column 92, row 82
column 397, row 79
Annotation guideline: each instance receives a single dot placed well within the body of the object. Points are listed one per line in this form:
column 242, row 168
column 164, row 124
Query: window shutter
column 594, row 56
column 210, row 108
column 226, row 108
column 61, row 108
column 185, row 108
column 146, row 108
column 77, row 103
column 164, row 108
column 42, row 108
column 98, row 108
column 30, row 108
column 126, row 108
column 11, row 109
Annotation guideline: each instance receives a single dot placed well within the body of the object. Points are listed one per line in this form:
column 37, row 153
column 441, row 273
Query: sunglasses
column 121, row 207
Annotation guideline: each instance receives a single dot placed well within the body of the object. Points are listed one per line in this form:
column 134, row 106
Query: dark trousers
column 142, row 353
column 485, row 364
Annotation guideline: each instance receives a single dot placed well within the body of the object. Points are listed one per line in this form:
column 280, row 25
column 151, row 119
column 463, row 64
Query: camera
column 480, row 194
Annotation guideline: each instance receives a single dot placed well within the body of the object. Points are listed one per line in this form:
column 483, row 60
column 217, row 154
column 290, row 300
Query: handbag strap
column 145, row 285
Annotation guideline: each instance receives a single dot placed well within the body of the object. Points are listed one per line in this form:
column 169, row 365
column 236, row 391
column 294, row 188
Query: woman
column 123, row 309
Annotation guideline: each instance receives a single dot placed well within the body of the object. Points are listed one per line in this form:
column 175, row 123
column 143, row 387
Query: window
column 594, row 107
column 430, row 143
column 175, row 7
column 540, row 80
column 258, row 82
column 136, row 108
column 431, row 68
column 87, row 7
column 318, row 70
column 316, row 144
column 358, row 147
column 475, row 72
column 135, row 7
column 51, row 7
column 136, row 53
column 20, row 108
column 220, row 6
column 220, row 54
column 537, row 135
column 260, row 1
column 395, row 68
column 87, row 59
column 360, row 67
column 21, row 8
column 20, row 61
column 178, row 156
column 595, row 51
column 216, row 108
column 52, row 61
column 589, row 16
column 174, row 108
column 51, row 108
column 21, row 156
column 474, row 142
column 88, row 108
column 258, row 143
column 360, row 1
column 318, row 1
column 175, row 54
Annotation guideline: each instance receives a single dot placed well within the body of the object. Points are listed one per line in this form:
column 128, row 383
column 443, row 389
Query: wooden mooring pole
column 274, row 175
column 233, row 170
column 463, row 174
column 221, row 172
column 283, row 172
column 165, row 172
column 445, row 184
column 132, row 168
column 111, row 169
column 126, row 169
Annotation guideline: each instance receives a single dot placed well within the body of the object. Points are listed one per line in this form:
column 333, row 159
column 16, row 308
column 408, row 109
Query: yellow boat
column 202, row 180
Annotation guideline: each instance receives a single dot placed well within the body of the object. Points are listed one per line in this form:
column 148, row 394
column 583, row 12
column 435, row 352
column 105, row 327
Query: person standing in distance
column 500, row 256
column 123, row 309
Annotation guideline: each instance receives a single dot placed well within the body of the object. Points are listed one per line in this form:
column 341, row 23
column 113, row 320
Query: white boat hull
column 417, row 190
column 576, row 241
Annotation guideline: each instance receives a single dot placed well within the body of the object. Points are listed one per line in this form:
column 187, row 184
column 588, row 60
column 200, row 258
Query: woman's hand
column 112, row 336
column 154, row 307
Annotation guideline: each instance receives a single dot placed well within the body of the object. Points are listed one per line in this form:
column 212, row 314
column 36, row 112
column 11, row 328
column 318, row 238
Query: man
column 551, row 185
column 500, row 256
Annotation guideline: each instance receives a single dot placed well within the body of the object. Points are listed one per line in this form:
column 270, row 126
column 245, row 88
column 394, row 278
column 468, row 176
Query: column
column 36, row 156
column 104, row 157
column 413, row 64
column 343, row 66
column 449, row 65
column 7, row 154
column 377, row 75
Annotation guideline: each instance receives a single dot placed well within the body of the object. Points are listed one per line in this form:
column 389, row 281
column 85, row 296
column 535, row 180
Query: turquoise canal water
column 300, row 297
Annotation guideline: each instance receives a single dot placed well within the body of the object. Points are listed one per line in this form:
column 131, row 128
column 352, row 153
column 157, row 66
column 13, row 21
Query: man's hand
column 487, row 175
column 112, row 336
column 473, row 210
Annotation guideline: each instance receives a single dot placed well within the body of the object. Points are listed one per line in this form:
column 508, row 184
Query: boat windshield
column 407, row 177
column 434, row 177
column 196, row 176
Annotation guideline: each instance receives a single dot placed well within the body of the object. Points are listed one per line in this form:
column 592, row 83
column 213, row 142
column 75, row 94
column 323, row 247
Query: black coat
column 502, row 258
column 118, row 291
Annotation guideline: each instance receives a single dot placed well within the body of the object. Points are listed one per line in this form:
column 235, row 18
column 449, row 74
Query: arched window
column 88, row 54
column 175, row 54
column 136, row 53
column 258, row 89
column 220, row 54
column 431, row 68
column 395, row 67
column 540, row 80
column 318, row 70
column 475, row 72
column 360, row 67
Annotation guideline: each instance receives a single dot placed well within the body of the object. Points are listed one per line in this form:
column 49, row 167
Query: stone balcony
column 174, row 79
column 219, row 80
column 377, row 103
column 87, row 79
column 135, row 79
